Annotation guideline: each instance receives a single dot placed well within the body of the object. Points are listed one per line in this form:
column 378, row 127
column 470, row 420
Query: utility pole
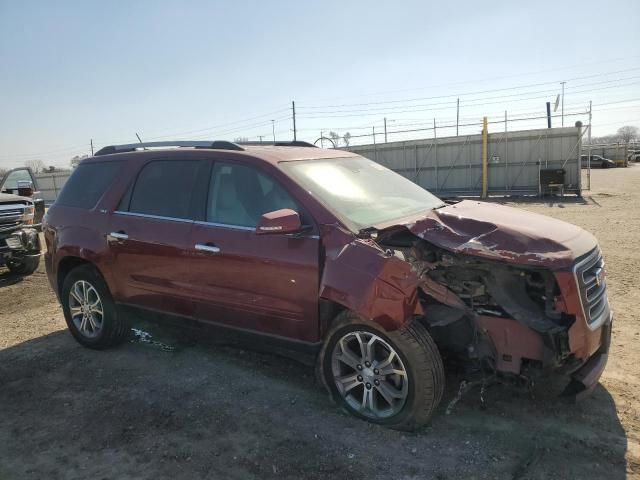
column 92, row 147
column 321, row 139
column 260, row 137
column 293, row 107
column 385, row 129
column 273, row 129
column 548, row 114
column 562, row 83
column 457, row 115
column 589, row 153
column 375, row 150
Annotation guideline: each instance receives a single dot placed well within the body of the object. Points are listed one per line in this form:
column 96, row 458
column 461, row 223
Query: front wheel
column 23, row 266
column 391, row 378
column 90, row 312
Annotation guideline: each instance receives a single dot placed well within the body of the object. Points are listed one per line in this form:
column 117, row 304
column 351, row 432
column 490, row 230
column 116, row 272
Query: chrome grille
column 11, row 216
column 592, row 283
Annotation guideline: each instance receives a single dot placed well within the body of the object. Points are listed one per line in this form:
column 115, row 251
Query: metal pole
column 588, row 154
column 506, row 154
column 563, row 102
column 293, row 107
column 375, row 150
column 548, row 114
column 92, row 147
column 321, row 139
column 435, row 154
column 385, row 129
column 457, row 115
column 485, row 169
column 260, row 137
column 273, row 129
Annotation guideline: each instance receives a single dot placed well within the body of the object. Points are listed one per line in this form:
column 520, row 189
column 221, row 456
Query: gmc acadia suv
column 329, row 253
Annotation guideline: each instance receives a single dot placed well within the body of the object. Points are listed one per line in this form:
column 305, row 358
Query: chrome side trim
column 225, row 225
column 243, row 228
column 153, row 217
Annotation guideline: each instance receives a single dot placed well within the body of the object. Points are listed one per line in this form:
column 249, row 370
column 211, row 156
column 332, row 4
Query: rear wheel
column 89, row 310
column 391, row 378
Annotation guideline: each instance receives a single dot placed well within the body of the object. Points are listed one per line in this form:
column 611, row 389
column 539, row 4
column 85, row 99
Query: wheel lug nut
column 376, row 382
column 368, row 364
column 359, row 378
column 376, row 371
column 368, row 385
column 359, row 367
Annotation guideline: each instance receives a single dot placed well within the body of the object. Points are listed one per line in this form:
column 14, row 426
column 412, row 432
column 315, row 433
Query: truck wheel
column 91, row 314
column 390, row 378
column 23, row 266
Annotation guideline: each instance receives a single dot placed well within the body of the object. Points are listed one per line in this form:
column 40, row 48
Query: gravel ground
column 209, row 411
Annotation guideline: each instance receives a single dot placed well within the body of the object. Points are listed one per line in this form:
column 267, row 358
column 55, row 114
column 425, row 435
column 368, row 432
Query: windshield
column 359, row 191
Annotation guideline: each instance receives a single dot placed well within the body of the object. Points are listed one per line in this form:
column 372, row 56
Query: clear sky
column 72, row 71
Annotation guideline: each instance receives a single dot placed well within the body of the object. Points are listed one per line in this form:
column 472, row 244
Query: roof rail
column 280, row 143
column 132, row 147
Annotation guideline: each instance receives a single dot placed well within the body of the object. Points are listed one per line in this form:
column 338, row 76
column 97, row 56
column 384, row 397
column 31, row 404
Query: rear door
column 149, row 237
column 266, row 283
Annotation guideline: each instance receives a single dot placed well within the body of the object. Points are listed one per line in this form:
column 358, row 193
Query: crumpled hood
column 504, row 233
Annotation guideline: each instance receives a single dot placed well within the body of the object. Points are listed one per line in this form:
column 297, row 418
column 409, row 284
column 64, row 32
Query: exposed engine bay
column 504, row 316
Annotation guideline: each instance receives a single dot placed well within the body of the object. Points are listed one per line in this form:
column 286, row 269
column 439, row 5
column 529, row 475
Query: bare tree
column 3, row 172
column 347, row 138
column 336, row 139
column 628, row 133
column 36, row 165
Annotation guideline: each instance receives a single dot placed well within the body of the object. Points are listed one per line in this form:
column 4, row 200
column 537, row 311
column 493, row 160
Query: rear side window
column 87, row 184
column 164, row 188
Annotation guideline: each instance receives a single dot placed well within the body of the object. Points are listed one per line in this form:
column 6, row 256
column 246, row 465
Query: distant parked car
column 634, row 156
column 597, row 161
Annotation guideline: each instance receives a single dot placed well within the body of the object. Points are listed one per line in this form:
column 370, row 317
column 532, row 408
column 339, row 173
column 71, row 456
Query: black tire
column 24, row 266
column 419, row 356
column 114, row 328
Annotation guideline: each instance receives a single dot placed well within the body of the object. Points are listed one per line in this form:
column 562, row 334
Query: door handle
column 117, row 236
column 207, row 247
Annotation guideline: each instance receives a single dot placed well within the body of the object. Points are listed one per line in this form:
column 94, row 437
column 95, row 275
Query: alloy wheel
column 86, row 309
column 369, row 375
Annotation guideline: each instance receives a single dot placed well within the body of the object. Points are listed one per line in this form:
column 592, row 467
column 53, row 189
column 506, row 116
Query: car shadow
column 8, row 278
column 199, row 409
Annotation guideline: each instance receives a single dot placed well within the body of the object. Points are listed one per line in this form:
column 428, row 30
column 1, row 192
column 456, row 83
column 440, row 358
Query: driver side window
column 17, row 178
column 239, row 195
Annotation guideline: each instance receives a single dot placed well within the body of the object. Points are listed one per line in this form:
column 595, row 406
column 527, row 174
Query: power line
column 454, row 96
column 487, row 79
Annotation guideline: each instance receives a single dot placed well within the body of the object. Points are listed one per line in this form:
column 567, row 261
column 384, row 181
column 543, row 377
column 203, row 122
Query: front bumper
column 20, row 243
column 585, row 378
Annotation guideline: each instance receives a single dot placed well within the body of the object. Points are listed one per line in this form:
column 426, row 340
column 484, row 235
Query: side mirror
column 25, row 188
column 279, row 221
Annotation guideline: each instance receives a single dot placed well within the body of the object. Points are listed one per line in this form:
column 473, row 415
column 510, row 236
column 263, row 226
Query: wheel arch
column 69, row 263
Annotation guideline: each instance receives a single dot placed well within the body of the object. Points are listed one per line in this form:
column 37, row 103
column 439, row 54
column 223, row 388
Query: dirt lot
column 206, row 411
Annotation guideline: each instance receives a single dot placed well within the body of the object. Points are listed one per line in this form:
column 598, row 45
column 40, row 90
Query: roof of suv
column 270, row 153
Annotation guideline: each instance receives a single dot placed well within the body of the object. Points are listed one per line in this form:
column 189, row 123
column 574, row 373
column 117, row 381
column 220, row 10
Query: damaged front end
column 511, row 316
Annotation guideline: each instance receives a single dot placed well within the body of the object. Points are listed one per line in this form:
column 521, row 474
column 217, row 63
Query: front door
column 149, row 234
column 266, row 283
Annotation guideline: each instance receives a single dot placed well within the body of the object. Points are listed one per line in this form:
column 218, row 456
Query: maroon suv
column 327, row 252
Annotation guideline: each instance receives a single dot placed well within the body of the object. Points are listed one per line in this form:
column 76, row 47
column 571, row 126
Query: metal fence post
column 484, row 158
